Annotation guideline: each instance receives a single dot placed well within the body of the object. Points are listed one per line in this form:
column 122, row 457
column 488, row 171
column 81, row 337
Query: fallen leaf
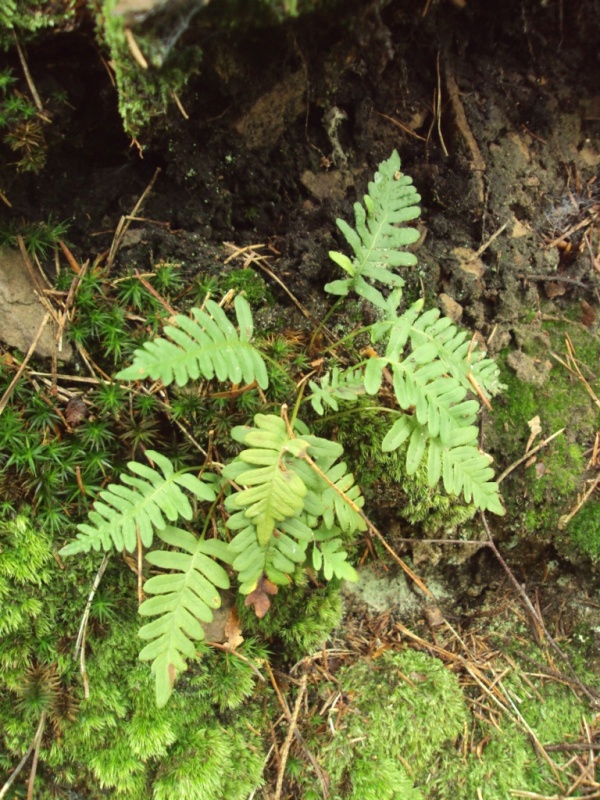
column 555, row 289
column 75, row 412
column 232, row 631
column 588, row 314
column 535, row 428
column 259, row 598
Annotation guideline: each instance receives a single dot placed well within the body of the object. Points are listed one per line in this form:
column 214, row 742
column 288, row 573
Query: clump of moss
column 383, row 476
column 205, row 744
column 584, row 529
column 396, row 714
column 540, row 493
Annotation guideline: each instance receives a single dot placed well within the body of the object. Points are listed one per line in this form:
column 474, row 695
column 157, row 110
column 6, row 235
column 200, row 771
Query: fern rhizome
column 288, row 501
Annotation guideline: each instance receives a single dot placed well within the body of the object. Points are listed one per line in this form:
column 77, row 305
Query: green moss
column 540, row 493
column 301, row 617
column 206, row 744
column 584, row 529
column 144, row 93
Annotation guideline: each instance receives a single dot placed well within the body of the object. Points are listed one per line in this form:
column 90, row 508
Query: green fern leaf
column 285, row 550
column 334, row 386
column 274, row 490
column 329, row 555
column 181, row 600
column 207, row 346
column 120, row 511
column 436, row 335
column 377, row 240
column 348, row 519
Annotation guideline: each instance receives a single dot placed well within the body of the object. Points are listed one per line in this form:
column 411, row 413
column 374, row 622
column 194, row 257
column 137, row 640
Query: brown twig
column 7, row 394
column 19, row 768
column 592, row 696
column 36, row 755
column 80, row 642
column 528, row 455
column 285, row 750
column 34, row 92
column 124, row 222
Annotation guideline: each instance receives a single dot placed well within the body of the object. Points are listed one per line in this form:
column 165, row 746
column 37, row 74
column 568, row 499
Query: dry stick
column 18, row 769
column 124, row 222
column 7, row 394
column 485, row 245
column 537, row 618
column 36, row 755
column 553, row 279
column 528, row 455
column 28, row 78
column 534, row 796
column 80, row 643
column 402, row 127
column 286, row 711
column 154, row 293
column 566, row 518
column 256, row 259
column 370, row 526
column 285, row 750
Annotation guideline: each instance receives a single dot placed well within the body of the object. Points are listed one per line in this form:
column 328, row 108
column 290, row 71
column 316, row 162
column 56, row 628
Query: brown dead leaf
column 75, row 412
column 555, row 289
column 469, row 261
column 588, row 314
column 233, row 631
column 535, row 428
column 259, row 598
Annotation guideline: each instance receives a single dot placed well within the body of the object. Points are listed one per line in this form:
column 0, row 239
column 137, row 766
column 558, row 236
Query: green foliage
column 40, row 238
column 284, row 491
column 181, row 597
column 377, row 241
column 584, row 529
column 144, row 94
column 139, row 507
column 207, row 346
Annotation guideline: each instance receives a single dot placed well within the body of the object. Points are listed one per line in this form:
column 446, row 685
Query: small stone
column 450, row 308
column 21, row 311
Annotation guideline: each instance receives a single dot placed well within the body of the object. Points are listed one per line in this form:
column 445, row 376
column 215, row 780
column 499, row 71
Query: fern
column 453, row 347
column 376, row 242
column 182, row 599
column 206, row 346
column 334, row 386
column 329, row 555
column 139, row 503
column 291, row 483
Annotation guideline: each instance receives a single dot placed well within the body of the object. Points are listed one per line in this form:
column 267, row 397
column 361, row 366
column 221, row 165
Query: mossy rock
column 539, row 493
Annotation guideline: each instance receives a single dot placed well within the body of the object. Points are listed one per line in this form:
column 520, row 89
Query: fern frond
column 206, row 346
column 274, row 491
column 376, row 241
column 421, row 384
column 278, row 558
column 334, row 504
column 333, row 386
column 182, row 599
column 139, row 503
column 438, row 336
column 329, row 555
